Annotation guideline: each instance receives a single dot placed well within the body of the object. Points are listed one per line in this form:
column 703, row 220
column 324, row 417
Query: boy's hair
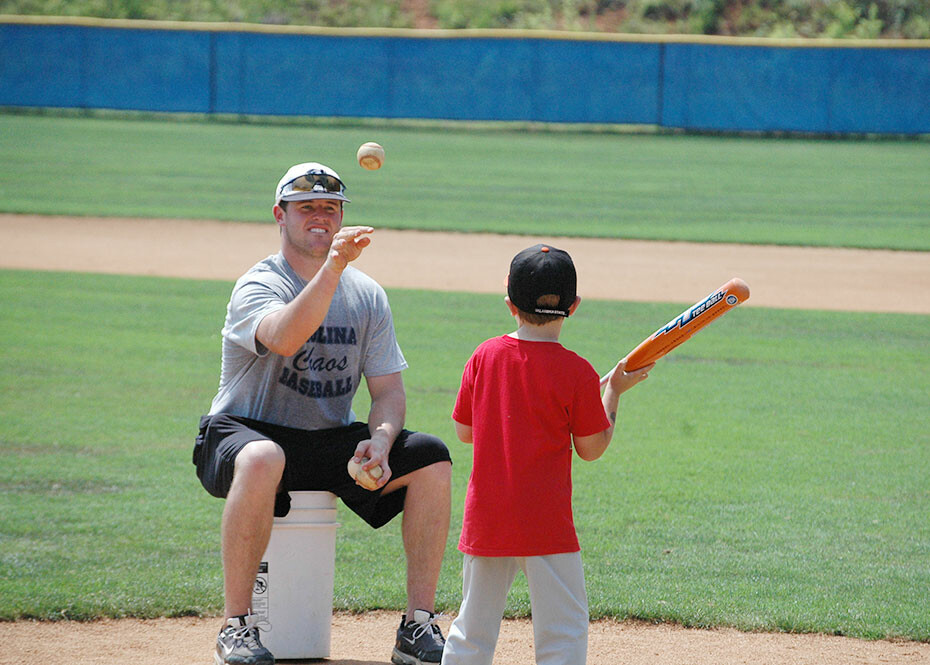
column 542, row 283
column 547, row 301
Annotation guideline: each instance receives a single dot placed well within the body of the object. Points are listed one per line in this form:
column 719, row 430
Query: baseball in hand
column 367, row 479
column 370, row 156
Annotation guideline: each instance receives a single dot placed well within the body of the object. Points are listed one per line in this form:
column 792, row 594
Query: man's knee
column 438, row 474
column 261, row 461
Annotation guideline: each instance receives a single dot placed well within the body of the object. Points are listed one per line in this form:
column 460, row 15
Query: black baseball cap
column 538, row 271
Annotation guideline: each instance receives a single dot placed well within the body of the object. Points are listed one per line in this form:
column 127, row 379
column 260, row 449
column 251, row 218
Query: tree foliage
column 863, row 19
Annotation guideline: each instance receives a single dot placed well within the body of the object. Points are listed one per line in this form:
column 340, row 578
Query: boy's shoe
column 238, row 643
column 419, row 641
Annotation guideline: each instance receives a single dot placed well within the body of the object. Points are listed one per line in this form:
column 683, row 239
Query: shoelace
column 430, row 625
column 248, row 634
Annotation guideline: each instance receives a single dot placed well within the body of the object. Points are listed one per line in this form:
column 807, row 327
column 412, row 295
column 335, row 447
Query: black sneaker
column 238, row 643
column 419, row 641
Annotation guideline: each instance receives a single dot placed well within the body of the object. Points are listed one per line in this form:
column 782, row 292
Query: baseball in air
column 370, row 156
column 367, row 479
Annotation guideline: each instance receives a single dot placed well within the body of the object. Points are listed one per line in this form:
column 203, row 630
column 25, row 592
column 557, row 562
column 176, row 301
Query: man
column 302, row 328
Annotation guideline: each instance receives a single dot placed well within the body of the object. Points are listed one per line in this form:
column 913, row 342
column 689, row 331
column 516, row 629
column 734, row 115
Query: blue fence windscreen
column 706, row 86
column 848, row 90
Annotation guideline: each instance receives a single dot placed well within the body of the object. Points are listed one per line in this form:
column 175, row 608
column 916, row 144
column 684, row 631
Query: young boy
column 524, row 401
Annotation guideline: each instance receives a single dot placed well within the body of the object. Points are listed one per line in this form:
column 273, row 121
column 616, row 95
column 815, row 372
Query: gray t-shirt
column 313, row 389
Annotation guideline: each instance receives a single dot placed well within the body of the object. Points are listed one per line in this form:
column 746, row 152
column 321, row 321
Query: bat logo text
column 686, row 317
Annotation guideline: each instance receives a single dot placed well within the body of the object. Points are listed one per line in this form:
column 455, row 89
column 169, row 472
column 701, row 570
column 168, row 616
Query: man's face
column 308, row 226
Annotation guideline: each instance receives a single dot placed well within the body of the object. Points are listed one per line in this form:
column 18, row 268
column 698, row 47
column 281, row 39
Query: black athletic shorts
column 314, row 460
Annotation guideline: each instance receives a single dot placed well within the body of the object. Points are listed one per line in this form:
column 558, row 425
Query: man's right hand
column 347, row 246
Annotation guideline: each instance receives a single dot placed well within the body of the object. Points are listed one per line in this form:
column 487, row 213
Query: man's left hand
column 377, row 454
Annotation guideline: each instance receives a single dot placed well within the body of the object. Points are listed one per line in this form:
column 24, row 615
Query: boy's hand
column 621, row 380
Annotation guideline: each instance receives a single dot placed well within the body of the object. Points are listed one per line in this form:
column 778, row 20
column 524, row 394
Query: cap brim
column 307, row 196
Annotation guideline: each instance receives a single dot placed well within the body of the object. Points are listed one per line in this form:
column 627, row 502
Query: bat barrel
column 682, row 327
column 738, row 288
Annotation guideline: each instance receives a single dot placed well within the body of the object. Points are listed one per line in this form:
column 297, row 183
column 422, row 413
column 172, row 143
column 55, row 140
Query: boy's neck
column 548, row 332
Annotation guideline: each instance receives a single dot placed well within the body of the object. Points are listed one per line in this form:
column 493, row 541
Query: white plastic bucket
column 294, row 587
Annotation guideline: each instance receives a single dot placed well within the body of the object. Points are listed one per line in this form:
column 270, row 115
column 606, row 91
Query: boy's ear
column 513, row 308
column 574, row 305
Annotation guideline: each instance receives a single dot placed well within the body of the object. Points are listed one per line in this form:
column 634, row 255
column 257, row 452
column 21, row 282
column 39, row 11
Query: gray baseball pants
column 557, row 599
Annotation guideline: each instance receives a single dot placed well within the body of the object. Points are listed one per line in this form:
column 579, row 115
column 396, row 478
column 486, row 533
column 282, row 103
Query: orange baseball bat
column 680, row 329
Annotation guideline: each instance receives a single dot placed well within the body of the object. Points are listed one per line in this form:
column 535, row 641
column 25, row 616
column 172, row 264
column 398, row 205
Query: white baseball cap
column 309, row 180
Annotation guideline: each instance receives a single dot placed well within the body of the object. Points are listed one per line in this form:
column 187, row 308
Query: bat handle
column 606, row 377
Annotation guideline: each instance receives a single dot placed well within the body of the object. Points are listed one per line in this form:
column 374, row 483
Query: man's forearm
column 387, row 416
column 286, row 330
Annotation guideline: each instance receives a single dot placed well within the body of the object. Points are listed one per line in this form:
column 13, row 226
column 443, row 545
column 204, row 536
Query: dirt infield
column 367, row 639
column 852, row 280
column 826, row 279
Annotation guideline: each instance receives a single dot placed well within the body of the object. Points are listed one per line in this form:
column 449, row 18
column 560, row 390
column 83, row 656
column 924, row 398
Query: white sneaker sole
column 400, row 658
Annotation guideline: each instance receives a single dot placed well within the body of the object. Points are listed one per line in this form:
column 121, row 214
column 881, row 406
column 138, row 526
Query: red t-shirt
column 524, row 400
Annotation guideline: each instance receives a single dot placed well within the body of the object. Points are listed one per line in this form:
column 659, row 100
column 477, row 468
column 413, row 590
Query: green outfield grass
column 770, row 475
column 456, row 177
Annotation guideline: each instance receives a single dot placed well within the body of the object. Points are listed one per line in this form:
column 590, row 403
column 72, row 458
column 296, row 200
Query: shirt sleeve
column 588, row 416
column 383, row 354
column 462, row 412
column 250, row 302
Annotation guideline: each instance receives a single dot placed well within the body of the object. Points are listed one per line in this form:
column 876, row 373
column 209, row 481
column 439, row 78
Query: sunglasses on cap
column 313, row 181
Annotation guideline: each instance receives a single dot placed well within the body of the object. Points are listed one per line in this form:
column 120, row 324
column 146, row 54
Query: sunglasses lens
column 317, row 182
